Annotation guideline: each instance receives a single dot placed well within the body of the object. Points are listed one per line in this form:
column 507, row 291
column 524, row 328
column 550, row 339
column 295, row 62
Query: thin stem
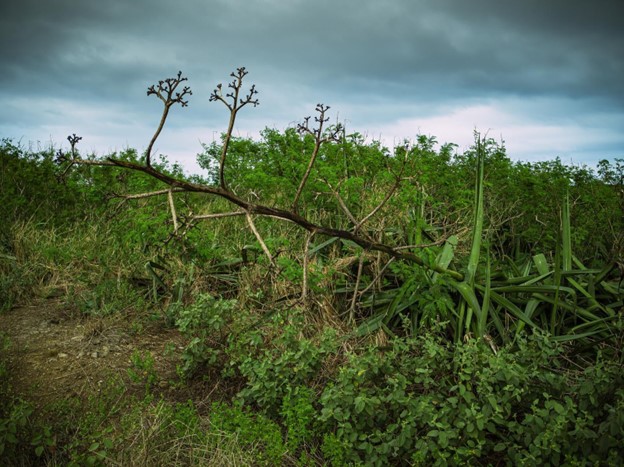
column 252, row 226
column 174, row 215
column 306, row 261
column 355, row 291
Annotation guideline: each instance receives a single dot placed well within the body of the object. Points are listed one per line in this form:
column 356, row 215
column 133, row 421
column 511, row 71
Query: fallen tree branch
column 166, row 91
column 278, row 213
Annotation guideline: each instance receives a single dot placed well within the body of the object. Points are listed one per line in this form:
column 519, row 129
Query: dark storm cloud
column 377, row 61
column 485, row 46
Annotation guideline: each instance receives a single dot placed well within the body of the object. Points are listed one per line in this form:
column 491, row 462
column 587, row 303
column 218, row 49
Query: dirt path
column 55, row 353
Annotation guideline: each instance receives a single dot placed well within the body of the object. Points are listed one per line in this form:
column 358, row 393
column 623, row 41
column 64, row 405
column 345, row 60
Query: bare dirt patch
column 56, row 354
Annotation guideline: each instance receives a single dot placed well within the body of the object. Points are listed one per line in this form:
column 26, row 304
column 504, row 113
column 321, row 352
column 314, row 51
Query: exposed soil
column 57, row 353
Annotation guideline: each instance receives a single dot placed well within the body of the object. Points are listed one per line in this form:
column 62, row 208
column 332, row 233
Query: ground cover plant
column 311, row 299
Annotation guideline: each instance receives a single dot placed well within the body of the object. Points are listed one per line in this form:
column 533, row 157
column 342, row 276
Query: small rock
column 94, row 355
column 62, row 355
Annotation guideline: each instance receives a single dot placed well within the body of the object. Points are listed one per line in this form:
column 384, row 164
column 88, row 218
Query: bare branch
column 342, row 204
column 73, row 140
column 319, row 140
column 355, row 290
column 61, row 157
column 219, row 215
column 281, row 214
column 166, row 92
column 285, row 215
column 380, row 205
column 236, row 104
column 379, row 276
column 173, row 211
column 252, row 226
column 306, row 261
column 96, row 162
column 150, row 194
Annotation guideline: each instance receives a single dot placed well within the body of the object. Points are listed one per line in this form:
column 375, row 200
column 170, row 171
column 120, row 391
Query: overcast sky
column 546, row 76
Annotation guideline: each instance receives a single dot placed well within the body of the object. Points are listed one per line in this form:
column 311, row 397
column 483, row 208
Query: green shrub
column 253, row 430
column 287, row 363
column 437, row 404
column 206, row 323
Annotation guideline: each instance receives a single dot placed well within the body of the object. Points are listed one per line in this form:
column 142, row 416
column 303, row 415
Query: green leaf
column 566, row 235
column 478, row 217
column 318, row 248
column 541, row 264
column 446, row 255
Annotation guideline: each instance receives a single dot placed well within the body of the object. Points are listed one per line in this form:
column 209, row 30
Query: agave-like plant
column 563, row 298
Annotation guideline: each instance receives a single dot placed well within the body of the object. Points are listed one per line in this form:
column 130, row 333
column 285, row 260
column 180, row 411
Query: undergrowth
column 325, row 353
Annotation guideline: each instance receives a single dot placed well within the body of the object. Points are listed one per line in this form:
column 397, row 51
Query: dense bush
column 436, row 404
column 356, row 371
column 421, row 398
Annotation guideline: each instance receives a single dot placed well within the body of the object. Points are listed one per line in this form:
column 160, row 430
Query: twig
column 278, row 213
column 180, row 184
column 318, row 142
column 304, row 287
column 355, row 291
column 259, row 238
column 166, row 92
column 150, row 194
column 218, row 215
column 234, row 107
column 342, row 204
column 379, row 275
column 174, row 215
column 380, row 205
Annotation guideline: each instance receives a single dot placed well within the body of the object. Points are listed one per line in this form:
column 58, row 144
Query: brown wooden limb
column 319, row 140
column 174, row 215
column 252, row 226
column 355, row 290
column 281, row 214
column 166, row 92
column 152, row 193
column 317, row 146
column 234, row 107
column 96, row 162
column 342, row 204
column 306, row 261
column 380, row 205
column 218, row 215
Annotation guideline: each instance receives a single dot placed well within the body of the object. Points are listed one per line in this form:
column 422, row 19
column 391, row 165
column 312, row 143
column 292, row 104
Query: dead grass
column 58, row 356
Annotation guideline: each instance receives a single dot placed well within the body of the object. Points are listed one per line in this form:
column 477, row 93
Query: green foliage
column 142, row 370
column 205, row 322
column 455, row 380
column 298, row 415
column 252, row 430
column 31, row 191
column 438, row 404
column 14, row 425
column 288, row 362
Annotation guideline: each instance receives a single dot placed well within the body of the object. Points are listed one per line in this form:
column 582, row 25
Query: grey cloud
column 383, row 60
